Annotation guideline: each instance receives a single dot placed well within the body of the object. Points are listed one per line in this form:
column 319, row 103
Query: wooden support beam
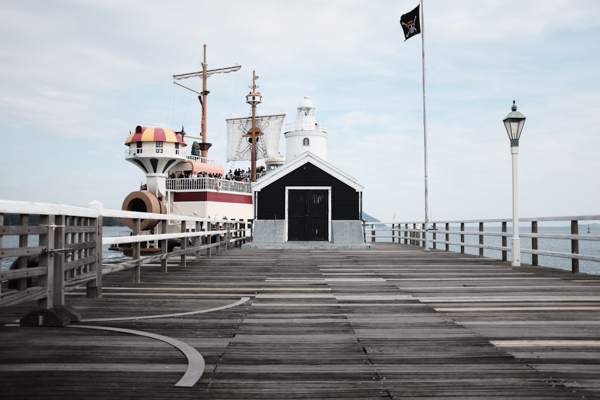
column 164, row 246
column 46, row 260
column 136, row 271
column 59, row 261
column 574, row 246
column 183, row 244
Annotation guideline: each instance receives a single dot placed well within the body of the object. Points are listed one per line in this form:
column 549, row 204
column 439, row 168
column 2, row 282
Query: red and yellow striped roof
column 143, row 134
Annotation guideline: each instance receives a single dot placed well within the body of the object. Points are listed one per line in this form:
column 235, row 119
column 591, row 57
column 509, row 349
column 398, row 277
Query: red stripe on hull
column 213, row 196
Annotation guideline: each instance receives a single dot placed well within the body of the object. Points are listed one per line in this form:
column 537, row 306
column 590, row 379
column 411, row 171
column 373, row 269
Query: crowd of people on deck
column 192, row 175
column 238, row 175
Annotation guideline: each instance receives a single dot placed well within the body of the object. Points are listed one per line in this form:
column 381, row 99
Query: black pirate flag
column 411, row 24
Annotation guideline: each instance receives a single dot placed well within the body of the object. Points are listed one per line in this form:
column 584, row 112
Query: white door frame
column 287, row 190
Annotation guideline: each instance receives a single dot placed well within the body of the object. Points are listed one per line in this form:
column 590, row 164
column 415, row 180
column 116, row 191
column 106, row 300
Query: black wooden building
column 308, row 200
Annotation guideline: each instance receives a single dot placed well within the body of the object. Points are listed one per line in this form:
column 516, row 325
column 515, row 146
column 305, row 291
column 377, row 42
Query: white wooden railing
column 70, row 248
column 305, row 126
column 413, row 233
column 201, row 159
column 204, row 183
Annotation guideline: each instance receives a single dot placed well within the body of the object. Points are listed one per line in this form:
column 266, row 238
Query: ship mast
column 204, row 146
column 205, row 73
column 253, row 98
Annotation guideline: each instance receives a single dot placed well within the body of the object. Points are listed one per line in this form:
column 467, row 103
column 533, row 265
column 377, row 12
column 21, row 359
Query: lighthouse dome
column 306, row 103
column 306, row 108
column 154, row 134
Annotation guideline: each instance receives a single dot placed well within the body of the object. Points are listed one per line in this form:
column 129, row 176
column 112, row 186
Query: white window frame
column 287, row 190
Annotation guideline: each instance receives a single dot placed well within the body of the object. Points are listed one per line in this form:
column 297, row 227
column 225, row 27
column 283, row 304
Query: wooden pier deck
column 395, row 322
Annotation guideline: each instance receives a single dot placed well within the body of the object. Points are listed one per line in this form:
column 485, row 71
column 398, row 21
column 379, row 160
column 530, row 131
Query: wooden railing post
column 59, row 261
column 46, row 259
column 405, row 234
column 183, row 244
column 247, row 226
column 447, row 236
column 164, row 247
column 534, row 243
column 227, row 236
column 136, row 271
column 24, row 221
column 208, row 238
column 393, row 234
column 462, row 238
column 504, row 242
column 481, row 239
column 198, row 239
column 243, row 226
column 373, row 233
column 237, row 226
column 574, row 246
column 434, row 235
column 94, row 287
column 219, row 241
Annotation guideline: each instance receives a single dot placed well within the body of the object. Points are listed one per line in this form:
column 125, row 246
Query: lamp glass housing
column 514, row 123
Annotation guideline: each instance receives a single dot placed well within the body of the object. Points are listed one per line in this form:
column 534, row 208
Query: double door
column 308, row 215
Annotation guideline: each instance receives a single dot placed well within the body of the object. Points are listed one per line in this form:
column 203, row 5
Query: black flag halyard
column 411, row 24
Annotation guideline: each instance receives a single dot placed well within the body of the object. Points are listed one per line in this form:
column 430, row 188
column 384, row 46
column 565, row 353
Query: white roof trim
column 299, row 161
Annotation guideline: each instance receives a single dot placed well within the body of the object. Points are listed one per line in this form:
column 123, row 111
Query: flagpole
column 424, row 129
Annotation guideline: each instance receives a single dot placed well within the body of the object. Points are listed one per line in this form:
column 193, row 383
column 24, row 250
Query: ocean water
column 586, row 247
column 107, row 255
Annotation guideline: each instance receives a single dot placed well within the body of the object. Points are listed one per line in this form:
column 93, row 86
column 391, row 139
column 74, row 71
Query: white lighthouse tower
column 306, row 134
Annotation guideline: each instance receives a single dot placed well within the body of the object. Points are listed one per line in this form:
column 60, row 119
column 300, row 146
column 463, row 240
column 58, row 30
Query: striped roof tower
column 153, row 134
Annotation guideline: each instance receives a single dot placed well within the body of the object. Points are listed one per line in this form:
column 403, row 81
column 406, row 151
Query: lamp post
column 514, row 122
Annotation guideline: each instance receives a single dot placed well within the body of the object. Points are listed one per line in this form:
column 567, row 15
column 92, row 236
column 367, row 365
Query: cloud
column 78, row 76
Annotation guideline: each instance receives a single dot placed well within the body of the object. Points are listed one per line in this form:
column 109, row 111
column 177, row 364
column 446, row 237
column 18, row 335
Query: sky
column 77, row 76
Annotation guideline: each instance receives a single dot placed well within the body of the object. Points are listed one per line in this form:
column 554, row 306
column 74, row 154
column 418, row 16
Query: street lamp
column 514, row 122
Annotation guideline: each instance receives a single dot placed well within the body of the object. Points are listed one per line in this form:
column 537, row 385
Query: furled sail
column 239, row 137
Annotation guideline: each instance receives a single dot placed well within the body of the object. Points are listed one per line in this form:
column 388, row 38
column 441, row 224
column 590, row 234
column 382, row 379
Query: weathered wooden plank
column 79, row 229
column 23, row 273
column 23, row 230
column 80, row 246
column 20, row 296
column 19, row 252
column 71, row 265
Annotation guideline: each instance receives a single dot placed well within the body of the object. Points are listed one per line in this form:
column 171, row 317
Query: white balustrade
column 205, row 183
column 305, row 126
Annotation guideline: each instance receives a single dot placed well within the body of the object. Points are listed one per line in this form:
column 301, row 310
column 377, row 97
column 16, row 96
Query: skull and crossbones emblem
column 411, row 26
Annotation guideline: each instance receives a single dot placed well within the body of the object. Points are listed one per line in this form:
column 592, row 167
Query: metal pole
column 516, row 242
column 424, row 129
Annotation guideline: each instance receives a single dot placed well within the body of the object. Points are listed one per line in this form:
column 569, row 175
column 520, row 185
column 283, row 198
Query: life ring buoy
column 219, row 185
